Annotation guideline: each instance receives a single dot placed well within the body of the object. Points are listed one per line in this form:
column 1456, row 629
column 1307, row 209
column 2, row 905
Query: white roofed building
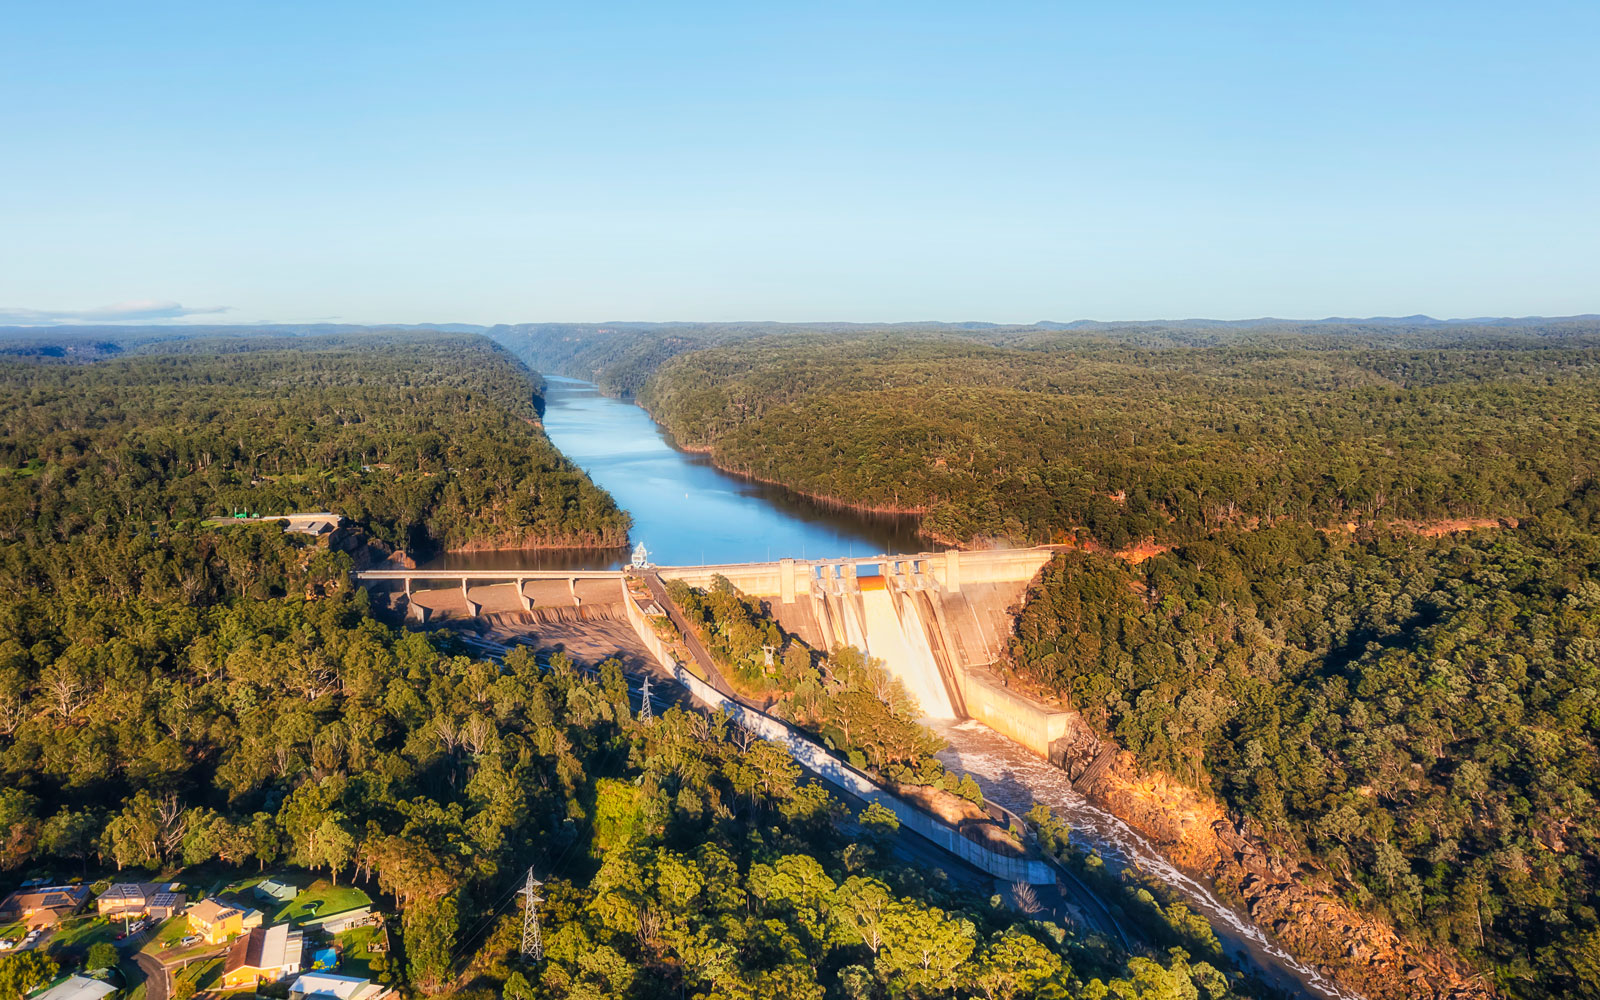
column 325, row 986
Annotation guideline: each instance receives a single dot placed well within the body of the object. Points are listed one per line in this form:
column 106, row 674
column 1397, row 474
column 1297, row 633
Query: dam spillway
column 903, row 646
column 939, row 620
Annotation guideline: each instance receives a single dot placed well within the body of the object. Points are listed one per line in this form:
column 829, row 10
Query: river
column 1012, row 777
column 687, row 512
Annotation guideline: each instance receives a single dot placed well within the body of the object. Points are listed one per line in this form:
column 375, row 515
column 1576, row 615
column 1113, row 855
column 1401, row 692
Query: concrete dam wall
column 904, row 646
column 939, row 621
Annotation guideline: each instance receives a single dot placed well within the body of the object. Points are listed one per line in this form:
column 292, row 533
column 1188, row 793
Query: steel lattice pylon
column 532, row 937
column 645, row 712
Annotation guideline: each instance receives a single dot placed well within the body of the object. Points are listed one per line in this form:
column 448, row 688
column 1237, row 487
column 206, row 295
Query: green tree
column 19, row 827
column 23, row 972
column 1014, row 965
column 102, row 955
column 71, row 834
column 430, row 935
column 924, row 949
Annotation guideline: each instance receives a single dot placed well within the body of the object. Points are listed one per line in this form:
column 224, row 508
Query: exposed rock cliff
column 1296, row 903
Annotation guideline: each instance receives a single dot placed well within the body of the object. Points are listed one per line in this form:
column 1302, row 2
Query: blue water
column 685, row 511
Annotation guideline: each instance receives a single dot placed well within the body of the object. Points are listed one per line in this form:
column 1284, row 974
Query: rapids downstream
column 1016, row 779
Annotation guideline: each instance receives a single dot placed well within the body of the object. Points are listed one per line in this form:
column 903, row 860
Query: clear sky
column 392, row 162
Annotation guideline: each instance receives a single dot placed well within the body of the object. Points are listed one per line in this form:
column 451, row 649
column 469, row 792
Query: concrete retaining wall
column 1019, row 719
column 841, row 775
column 647, row 634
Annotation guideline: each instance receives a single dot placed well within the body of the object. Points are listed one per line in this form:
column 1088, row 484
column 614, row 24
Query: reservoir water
column 686, row 512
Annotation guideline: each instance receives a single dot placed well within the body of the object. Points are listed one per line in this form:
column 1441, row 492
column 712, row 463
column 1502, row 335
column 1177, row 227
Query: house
column 265, row 955
column 43, row 906
column 215, row 921
column 338, row 923
column 276, row 890
column 78, row 988
column 324, row 986
column 129, row 900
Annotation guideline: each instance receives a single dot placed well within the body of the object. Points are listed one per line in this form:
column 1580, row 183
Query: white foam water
column 1016, row 779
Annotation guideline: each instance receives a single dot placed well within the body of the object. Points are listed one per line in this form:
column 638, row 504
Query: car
column 191, row 939
column 6, row 944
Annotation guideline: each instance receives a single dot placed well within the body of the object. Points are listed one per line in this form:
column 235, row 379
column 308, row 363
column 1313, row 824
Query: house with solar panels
column 141, row 900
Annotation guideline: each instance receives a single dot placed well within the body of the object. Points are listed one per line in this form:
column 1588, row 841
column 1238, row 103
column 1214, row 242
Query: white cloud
column 139, row 310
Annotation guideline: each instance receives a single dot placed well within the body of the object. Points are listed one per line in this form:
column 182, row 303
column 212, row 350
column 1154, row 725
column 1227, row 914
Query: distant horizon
column 443, row 325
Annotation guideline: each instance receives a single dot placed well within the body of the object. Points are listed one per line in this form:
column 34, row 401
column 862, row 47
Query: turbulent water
column 1016, row 779
column 905, row 651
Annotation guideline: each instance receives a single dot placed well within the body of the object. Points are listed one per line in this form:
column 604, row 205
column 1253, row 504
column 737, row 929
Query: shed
column 78, row 988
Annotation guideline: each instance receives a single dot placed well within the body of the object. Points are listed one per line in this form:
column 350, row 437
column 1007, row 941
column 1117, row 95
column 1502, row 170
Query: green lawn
column 164, row 946
column 333, row 899
column 242, row 887
column 172, row 932
column 205, row 975
column 13, row 932
column 76, row 934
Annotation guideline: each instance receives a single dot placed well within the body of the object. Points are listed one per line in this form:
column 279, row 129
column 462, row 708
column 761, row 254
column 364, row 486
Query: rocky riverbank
column 1297, row 904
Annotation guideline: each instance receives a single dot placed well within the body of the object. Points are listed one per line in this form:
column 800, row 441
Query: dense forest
column 175, row 693
column 1418, row 715
column 680, row 859
column 1115, row 444
column 1412, row 709
column 423, row 440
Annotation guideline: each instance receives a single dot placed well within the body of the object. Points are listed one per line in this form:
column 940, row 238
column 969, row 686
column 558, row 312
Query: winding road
column 157, row 986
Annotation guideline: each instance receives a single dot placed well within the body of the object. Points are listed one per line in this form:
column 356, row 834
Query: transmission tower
column 645, row 713
column 532, row 938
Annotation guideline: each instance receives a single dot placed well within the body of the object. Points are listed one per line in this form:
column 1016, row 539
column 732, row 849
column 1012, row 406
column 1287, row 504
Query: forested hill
column 425, row 440
column 193, row 702
column 1415, row 717
column 1052, row 439
column 621, row 357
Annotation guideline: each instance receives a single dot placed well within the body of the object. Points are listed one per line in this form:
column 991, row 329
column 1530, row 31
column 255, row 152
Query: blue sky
column 866, row 161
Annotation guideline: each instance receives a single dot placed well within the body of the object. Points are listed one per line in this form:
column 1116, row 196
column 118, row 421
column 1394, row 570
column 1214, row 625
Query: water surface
column 685, row 511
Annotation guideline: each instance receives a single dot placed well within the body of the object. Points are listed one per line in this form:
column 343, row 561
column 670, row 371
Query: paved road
column 658, row 590
column 155, row 976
